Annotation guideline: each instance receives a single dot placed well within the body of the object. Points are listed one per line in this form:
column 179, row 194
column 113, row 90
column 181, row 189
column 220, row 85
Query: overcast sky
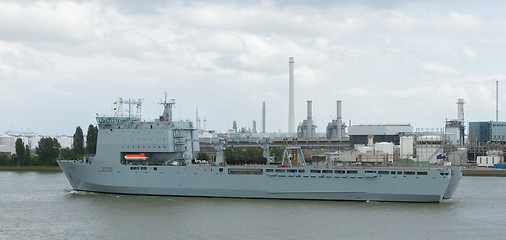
column 61, row 62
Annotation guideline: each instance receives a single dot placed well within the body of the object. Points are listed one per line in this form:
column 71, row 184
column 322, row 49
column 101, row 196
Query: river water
column 43, row 206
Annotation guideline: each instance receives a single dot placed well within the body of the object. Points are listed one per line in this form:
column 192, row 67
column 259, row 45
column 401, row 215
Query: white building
column 429, row 147
column 487, row 161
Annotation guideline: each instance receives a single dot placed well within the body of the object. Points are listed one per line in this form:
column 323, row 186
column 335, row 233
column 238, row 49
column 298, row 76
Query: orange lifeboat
column 136, row 157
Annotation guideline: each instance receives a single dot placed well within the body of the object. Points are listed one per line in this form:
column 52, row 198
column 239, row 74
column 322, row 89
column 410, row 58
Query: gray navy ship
column 155, row 158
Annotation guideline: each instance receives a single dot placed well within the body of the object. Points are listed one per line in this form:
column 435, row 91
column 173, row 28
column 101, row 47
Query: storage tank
column 384, row 148
column 453, row 134
column 406, row 147
column 366, row 150
column 66, row 141
column 458, row 157
column 34, row 142
column 429, row 140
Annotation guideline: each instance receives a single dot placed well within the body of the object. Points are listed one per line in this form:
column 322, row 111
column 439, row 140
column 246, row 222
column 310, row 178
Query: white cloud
column 397, row 63
column 46, row 21
column 439, row 68
column 423, row 19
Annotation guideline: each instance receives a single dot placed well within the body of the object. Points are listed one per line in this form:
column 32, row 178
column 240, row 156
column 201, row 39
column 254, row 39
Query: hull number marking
column 105, row 169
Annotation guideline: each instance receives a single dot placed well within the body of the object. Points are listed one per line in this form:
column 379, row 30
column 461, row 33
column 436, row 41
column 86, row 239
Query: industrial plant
column 382, row 144
column 474, row 144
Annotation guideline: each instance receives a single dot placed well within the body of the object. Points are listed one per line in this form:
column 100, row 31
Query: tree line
column 49, row 149
column 250, row 152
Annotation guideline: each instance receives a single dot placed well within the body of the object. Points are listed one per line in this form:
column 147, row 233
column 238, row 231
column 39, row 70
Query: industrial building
column 455, row 129
column 430, row 148
column 482, row 132
column 307, row 129
column 336, row 128
column 380, row 132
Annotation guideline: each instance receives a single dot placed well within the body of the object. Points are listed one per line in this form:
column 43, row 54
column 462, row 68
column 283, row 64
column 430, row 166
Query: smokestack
column 309, row 121
column 263, row 117
column 197, row 120
column 460, row 109
column 291, row 111
column 309, row 110
column 339, row 120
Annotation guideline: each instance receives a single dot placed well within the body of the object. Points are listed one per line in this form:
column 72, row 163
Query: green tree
column 278, row 152
column 67, row 154
column 253, row 152
column 20, row 148
column 48, row 150
column 5, row 161
column 203, row 156
column 78, row 142
column 248, row 153
column 91, row 139
column 233, row 152
column 20, row 152
column 26, row 159
column 27, row 151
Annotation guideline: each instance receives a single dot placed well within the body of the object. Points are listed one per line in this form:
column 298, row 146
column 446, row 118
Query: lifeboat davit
column 136, row 157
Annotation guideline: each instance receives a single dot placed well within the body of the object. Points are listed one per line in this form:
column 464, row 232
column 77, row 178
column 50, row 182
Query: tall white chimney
column 460, row 109
column 309, row 121
column 309, row 110
column 291, row 111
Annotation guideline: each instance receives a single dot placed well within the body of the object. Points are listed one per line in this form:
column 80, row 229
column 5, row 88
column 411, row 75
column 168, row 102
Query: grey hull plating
column 209, row 181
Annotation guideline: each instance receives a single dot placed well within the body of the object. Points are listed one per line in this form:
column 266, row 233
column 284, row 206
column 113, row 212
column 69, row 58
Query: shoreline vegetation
column 484, row 172
column 476, row 172
column 31, row 169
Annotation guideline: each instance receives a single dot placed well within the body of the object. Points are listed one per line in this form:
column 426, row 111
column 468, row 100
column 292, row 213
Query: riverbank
column 31, row 168
column 484, row 172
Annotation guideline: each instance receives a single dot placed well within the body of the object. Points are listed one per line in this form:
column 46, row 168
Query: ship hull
column 361, row 184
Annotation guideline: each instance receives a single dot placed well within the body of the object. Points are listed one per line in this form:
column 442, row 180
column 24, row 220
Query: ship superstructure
column 160, row 142
column 154, row 158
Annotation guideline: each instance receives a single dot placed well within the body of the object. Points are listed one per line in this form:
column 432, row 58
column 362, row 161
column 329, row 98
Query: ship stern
column 456, row 175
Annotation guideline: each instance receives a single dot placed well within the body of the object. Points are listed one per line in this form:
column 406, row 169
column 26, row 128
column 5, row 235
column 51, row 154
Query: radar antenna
column 167, row 109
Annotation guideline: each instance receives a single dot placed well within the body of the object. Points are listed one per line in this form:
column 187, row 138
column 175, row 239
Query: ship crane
column 218, row 146
column 293, row 155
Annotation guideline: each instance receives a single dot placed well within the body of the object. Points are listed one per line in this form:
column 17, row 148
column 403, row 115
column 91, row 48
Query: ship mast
column 167, row 109
column 119, row 108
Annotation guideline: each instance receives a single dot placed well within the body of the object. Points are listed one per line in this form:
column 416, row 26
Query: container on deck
column 502, row 165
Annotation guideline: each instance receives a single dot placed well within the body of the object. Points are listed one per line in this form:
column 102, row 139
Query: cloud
column 437, row 68
column 391, row 61
column 46, row 21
